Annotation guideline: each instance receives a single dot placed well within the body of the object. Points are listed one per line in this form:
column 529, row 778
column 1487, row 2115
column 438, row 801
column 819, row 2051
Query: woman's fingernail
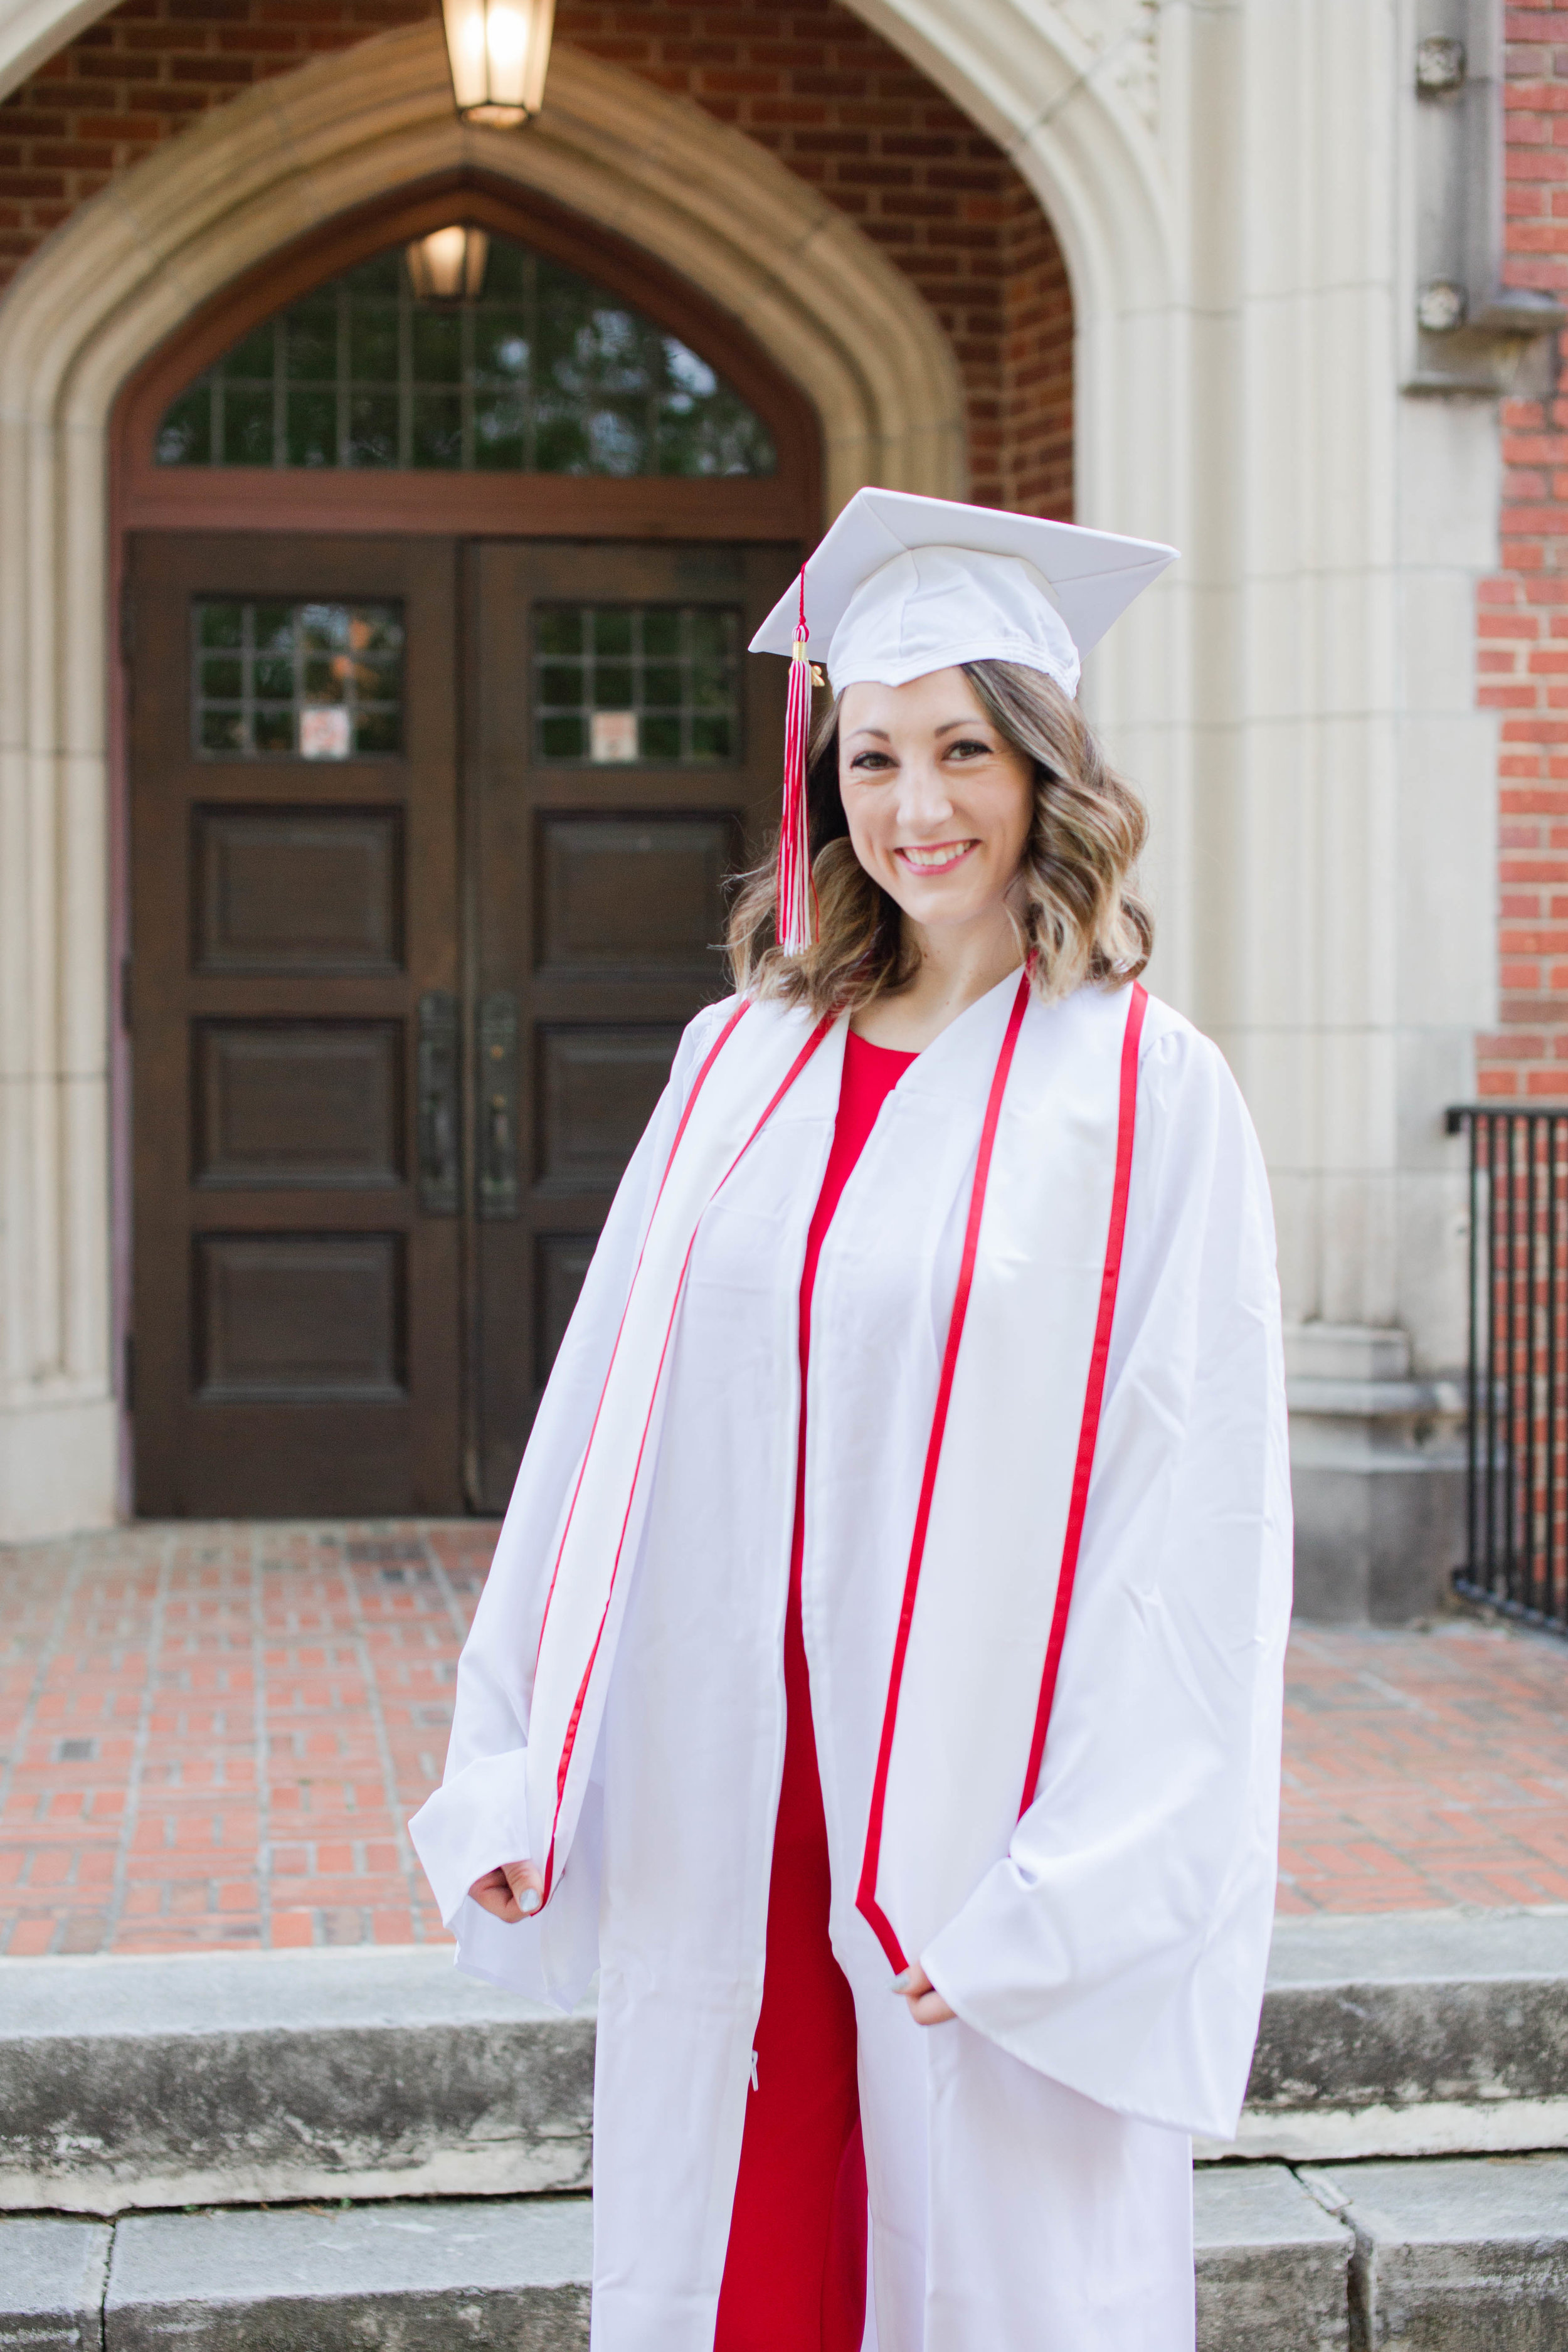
column 527, row 1900
column 906, row 1982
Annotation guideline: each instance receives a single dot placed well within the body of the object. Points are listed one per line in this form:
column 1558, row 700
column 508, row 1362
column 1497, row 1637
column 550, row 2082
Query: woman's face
column 939, row 803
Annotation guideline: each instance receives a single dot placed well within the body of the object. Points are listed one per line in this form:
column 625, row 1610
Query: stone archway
column 816, row 294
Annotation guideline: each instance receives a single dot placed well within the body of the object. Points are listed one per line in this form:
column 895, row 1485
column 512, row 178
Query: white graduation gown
column 1028, row 2164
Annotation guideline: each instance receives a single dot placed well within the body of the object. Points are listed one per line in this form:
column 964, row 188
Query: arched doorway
column 440, row 746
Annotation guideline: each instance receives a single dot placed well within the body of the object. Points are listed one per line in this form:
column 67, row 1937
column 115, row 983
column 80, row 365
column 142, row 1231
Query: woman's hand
column 926, row 2006
column 509, row 1892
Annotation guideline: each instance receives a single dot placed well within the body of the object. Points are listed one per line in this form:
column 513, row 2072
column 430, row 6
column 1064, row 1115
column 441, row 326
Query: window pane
column 222, row 625
column 254, row 357
column 559, row 629
column 312, row 428
column 501, row 345
column 185, row 438
column 438, row 345
column 246, row 426
column 562, row 739
column 315, row 681
column 373, row 342
column 373, row 430
column 649, row 682
column 541, row 371
column 499, row 435
column 437, row 428
column 312, row 341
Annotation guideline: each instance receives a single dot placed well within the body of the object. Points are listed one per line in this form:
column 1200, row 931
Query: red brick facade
column 1523, row 610
column 806, row 80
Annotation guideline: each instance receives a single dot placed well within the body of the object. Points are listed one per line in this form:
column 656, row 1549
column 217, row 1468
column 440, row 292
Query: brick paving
column 212, row 1735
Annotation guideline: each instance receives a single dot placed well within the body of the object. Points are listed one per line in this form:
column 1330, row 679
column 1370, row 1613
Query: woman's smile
column 936, row 856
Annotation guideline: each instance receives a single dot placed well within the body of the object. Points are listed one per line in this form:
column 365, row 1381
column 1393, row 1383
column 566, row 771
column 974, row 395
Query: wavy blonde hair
column 1077, row 912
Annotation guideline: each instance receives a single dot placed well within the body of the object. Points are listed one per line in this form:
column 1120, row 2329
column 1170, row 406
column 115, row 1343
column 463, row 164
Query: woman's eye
column 969, row 747
column 870, row 760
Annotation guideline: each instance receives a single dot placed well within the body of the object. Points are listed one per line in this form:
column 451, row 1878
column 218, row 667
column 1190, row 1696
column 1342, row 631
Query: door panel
column 293, row 890
column 294, row 895
column 623, row 762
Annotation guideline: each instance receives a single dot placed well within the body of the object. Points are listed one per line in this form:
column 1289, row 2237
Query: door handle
column 440, row 1123
column 495, row 1094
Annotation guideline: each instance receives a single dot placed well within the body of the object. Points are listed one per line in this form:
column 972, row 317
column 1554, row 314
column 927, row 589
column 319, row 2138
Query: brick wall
column 1522, row 617
column 805, row 79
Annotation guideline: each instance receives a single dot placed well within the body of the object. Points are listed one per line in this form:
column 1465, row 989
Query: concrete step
column 1412, row 2034
column 1430, row 2257
column 1273, row 2269
column 1470, row 2251
column 272, row 2077
column 1442, row 2255
column 229, row 2079
column 501, row 2272
column 53, row 2276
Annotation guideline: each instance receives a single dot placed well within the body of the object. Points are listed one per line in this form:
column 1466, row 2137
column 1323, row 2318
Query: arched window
column 529, row 368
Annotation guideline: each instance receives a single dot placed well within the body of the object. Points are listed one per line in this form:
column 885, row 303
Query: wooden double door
column 428, row 842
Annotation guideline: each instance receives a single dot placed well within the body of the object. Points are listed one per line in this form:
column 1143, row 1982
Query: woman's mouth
column 940, row 858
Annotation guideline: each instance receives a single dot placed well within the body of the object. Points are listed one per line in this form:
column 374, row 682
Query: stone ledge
column 52, row 2278
column 1412, row 2034
column 1273, row 2270
column 1272, row 2264
column 132, row 2083
column 1377, row 1399
column 156, row 2082
column 382, row 2276
column 1428, row 2255
column 1461, row 2252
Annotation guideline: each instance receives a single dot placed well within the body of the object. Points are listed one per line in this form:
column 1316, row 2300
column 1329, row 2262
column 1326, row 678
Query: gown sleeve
column 1121, row 1945
column 477, row 1818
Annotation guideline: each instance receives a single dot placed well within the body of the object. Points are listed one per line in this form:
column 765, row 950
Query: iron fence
column 1517, row 1552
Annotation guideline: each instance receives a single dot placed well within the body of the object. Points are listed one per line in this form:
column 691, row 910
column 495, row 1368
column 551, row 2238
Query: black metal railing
column 1517, row 1556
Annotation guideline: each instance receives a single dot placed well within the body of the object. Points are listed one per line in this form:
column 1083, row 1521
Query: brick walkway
column 212, row 1734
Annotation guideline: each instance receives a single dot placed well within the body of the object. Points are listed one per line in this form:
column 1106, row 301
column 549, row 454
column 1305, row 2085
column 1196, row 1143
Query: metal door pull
column 496, row 1095
column 439, row 1123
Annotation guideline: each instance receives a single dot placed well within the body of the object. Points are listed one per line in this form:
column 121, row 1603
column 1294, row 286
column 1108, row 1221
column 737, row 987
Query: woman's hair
column 1076, row 909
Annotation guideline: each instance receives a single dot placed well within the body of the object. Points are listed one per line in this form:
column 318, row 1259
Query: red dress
column 795, row 2275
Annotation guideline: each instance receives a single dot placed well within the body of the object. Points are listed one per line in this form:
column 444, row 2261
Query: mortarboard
column 903, row 586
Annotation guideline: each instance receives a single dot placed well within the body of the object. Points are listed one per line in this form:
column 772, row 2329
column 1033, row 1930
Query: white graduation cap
column 903, row 586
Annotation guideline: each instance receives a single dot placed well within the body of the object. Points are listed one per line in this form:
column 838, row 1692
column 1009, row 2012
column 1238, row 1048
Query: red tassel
column 797, row 918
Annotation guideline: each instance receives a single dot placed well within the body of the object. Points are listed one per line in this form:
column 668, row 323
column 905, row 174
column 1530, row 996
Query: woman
column 878, row 1676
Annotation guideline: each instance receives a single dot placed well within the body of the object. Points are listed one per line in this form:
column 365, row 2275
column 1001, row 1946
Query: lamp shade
column 449, row 265
column 499, row 51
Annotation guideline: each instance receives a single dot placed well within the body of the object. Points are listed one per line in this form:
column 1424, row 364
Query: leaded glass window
column 310, row 681
column 614, row 682
column 540, row 372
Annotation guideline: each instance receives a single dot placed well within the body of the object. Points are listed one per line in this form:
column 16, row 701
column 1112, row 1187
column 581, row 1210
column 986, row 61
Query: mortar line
column 29, row 1713
column 413, row 1877
column 141, row 1736
column 263, row 1754
column 108, row 2274
column 453, row 1605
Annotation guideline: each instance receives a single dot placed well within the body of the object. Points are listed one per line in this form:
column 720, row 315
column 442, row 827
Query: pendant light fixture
column 499, row 51
column 448, row 266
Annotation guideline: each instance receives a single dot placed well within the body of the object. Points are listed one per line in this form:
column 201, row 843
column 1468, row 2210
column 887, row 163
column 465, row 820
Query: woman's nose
column 922, row 794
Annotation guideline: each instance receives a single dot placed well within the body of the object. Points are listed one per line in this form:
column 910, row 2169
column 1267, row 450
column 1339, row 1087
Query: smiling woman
column 972, row 803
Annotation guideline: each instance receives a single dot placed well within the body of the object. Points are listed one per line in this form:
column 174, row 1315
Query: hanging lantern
column 448, row 266
column 499, row 51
